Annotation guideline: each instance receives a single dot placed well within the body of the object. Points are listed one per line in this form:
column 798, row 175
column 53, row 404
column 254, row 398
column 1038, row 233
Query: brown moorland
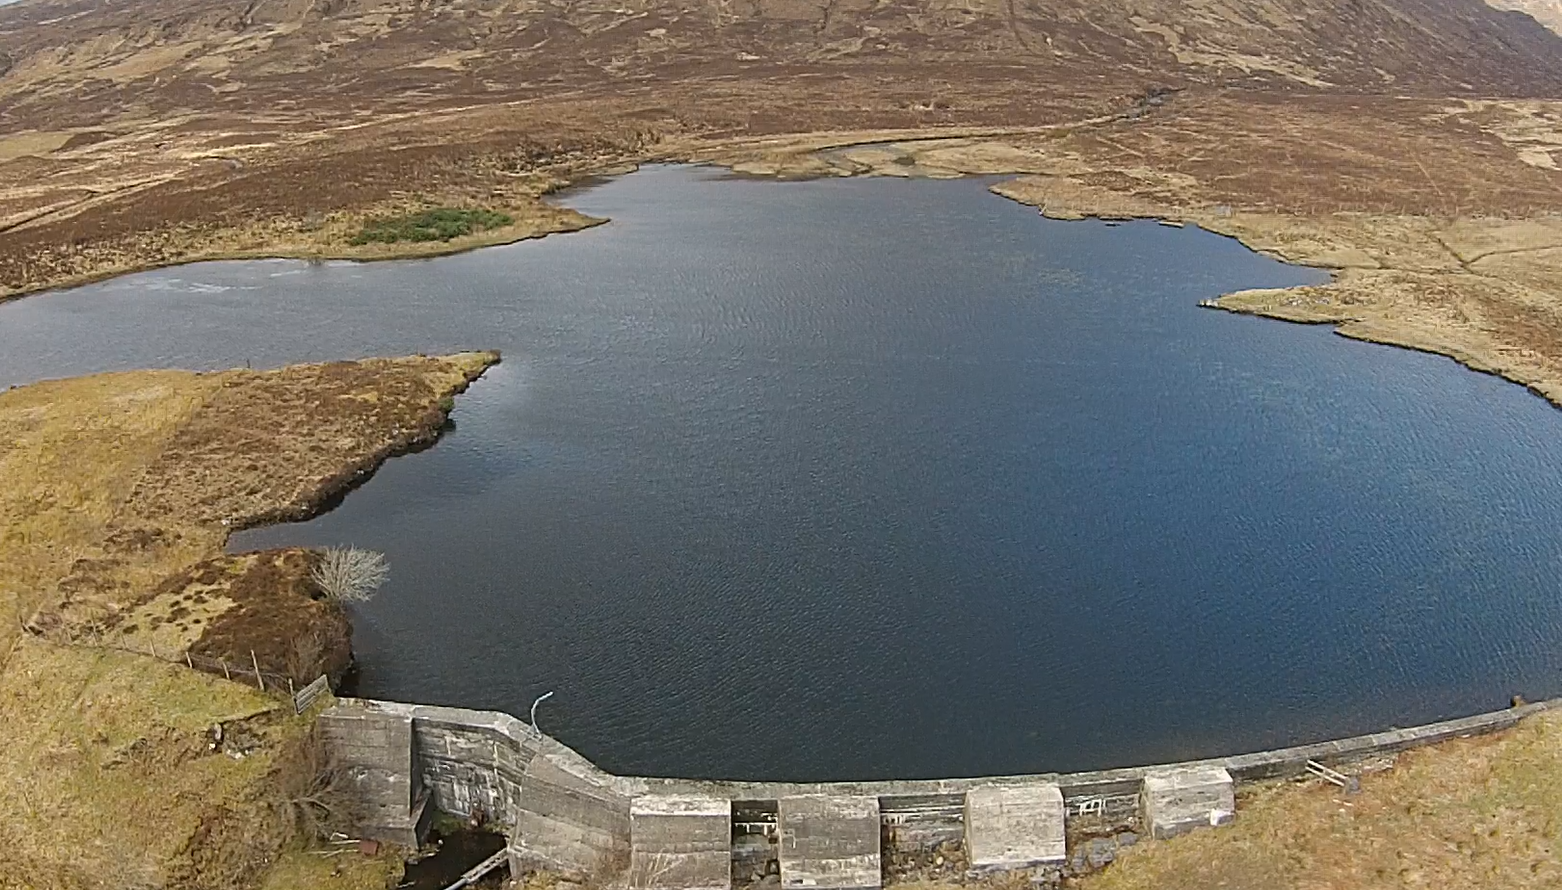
column 1319, row 130
column 141, row 133
column 1410, row 145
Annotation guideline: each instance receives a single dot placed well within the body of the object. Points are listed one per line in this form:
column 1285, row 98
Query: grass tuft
column 438, row 224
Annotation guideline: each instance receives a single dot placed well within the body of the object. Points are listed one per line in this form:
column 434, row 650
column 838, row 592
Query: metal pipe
column 539, row 701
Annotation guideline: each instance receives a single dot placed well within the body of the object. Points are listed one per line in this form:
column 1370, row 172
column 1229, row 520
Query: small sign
column 306, row 696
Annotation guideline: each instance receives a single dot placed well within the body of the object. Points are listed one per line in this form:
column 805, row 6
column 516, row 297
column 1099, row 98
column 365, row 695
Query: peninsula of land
column 119, row 493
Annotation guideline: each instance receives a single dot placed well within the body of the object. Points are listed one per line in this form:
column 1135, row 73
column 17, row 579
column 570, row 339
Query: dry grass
column 1482, row 288
column 73, row 453
column 230, row 614
column 34, row 143
column 1499, row 313
column 309, row 870
column 311, row 237
column 174, row 135
column 1475, row 813
column 109, row 776
column 1449, row 244
column 1484, row 812
column 114, row 485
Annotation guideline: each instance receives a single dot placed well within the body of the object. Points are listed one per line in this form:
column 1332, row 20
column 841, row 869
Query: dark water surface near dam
column 870, row 478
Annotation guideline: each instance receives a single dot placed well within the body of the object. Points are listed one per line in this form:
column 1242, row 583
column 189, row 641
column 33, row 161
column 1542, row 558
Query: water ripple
column 863, row 478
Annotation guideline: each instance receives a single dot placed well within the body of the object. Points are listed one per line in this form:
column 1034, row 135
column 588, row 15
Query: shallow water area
column 872, row 478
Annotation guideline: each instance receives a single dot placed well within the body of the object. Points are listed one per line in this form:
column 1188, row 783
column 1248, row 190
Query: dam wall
column 401, row 762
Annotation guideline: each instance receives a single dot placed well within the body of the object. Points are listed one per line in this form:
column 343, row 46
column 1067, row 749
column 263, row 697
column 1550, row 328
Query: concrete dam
column 401, row 763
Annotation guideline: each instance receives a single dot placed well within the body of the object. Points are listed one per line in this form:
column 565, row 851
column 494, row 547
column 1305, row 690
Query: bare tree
column 306, row 656
column 350, row 575
column 310, row 793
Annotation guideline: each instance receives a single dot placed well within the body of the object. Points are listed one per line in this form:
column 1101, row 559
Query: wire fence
column 90, row 637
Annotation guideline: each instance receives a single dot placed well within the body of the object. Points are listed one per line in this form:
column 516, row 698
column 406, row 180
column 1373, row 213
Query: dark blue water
column 871, row 478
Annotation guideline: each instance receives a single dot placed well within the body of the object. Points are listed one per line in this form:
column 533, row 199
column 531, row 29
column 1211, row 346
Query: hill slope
column 1547, row 12
column 76, row 61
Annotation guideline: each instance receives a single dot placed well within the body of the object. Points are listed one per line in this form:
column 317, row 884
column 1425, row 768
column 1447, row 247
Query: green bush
column 438, row 224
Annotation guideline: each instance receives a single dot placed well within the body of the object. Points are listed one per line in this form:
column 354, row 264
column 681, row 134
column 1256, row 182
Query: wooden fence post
column 259, row 680
column 225, row 674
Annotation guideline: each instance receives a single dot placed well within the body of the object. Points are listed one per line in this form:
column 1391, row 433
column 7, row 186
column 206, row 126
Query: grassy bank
column 381, row 232
column 1483, row 812
column 113, row 486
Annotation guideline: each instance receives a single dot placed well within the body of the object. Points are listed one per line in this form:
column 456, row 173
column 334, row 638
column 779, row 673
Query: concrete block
column 375, row 753
column 1177, row 800
column 567, row 822
column 1014, row 826
column 923, row 821
column 829, row 842
column 680, row 842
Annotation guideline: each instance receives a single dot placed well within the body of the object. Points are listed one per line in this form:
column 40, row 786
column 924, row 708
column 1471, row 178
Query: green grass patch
column 438, row 224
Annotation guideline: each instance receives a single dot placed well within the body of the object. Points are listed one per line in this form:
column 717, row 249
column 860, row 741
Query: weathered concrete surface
column 559, row 810
column 830, row 842
column 1014, row 826
column 374, row 754
column 563, row 813
column 1125, row 781
column 1180, row 799
column 472, row 768
column 570, row 821
column 923, row 821
column 680, row 843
